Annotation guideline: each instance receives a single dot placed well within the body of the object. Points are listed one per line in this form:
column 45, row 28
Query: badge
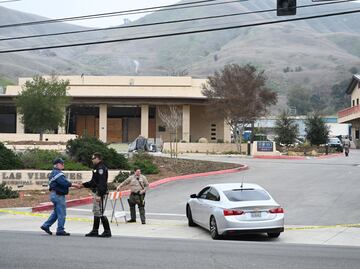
column 101, row 171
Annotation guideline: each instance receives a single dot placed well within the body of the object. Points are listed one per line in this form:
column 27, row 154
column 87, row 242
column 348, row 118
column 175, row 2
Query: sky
column 69, row 8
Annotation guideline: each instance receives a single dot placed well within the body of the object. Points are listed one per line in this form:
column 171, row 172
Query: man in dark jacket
column 98, row 185
column 59, row 186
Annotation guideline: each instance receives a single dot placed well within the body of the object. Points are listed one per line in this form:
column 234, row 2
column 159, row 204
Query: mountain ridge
column 314, row 54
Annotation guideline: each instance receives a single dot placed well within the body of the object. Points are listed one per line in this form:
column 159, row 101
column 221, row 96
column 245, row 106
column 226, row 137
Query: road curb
column 283, row 157
column 280, row 157
column 88, row 200
column 330, row 156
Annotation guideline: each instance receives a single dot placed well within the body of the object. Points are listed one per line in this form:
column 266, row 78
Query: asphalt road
column 313, row 192
column 29, row 250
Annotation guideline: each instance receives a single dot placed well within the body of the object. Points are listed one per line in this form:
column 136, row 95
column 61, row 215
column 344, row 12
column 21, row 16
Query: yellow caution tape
column 30, row 214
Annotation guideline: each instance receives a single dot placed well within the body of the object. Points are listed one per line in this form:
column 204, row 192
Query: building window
column 353, row 102
column 213, row 132
column 357, row 134
column 357, row 101
column 162, row 129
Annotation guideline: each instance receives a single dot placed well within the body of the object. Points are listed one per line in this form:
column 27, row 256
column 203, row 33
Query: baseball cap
column 58, row 160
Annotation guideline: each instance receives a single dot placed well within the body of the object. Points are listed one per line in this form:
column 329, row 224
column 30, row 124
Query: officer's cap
column 58, row 160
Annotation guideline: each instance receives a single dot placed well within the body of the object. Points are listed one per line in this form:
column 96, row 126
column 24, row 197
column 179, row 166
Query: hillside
column 13, row 65
column 314, row 54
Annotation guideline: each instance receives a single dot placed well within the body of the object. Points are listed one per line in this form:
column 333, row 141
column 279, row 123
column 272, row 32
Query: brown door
column 86, row 124
column 114, row 130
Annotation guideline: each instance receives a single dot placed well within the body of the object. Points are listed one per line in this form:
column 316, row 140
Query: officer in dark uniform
column 98, row 185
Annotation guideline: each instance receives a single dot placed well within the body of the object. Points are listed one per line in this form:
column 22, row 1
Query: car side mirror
column 193, row 196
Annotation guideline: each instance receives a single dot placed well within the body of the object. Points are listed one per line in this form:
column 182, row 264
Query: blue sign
column 266, row 146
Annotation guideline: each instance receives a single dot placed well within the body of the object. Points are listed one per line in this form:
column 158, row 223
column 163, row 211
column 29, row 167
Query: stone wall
column 206, row 147
column 38, row 179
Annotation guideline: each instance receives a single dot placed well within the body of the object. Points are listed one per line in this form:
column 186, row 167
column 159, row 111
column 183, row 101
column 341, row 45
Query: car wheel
column 191, row 223
column 213, row 229
column 273, row 235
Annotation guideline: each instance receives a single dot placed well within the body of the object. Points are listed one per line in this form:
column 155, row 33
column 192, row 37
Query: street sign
column 265, row 146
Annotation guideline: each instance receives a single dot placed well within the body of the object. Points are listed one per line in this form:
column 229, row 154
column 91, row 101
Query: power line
column 166, row 22
column 124, row 12
column 9, row 1
column 183, row 33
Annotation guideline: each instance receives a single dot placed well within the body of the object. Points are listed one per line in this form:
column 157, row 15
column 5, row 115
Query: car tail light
column 278, row 210
column 231, row 212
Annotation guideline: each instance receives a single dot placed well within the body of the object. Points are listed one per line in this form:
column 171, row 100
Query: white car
column 235, row 208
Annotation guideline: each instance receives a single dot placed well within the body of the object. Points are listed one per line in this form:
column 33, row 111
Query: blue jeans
column 59, row 212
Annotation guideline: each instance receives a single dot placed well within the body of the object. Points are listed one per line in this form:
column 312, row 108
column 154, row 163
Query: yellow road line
column 30, row 214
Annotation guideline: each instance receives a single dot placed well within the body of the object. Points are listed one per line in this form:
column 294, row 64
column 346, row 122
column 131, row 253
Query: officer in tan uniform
column 138, row 187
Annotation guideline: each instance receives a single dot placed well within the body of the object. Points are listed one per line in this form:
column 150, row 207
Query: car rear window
column 246, row 195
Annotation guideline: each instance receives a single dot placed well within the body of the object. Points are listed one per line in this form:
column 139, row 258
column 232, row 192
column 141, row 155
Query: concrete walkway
column 24, row 220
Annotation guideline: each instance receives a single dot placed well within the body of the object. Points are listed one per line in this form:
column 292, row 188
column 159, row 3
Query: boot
column 106, row 225
column 142, row 214
column 95, row 231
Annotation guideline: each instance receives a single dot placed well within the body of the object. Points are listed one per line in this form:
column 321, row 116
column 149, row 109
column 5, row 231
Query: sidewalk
column 27, row 221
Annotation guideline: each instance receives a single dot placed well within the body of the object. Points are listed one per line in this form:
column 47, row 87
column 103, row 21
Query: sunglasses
column 93, row 158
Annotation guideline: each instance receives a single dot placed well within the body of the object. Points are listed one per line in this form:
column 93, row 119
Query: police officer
column 98, row 186
column 59, row 186
column 138, row 187
column 347, row 146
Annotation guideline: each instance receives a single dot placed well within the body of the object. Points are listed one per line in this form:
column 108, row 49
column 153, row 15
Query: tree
column 239, row 95
column 42, row 103
column 171, row 116
column 286, row 129
column 317, row 132
column 304, row 101
column 340, row 99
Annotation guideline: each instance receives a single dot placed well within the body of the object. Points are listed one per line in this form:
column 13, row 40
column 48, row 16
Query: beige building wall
column 103, row 122
column 186, row 123
column 126, row 86
column 355, row 96
column 205, row 124
column 227, row 133
column 165, row 135
column 134, row 128
column 20, row 128
column 145, row 121
column 197, row 121
column 206, row 147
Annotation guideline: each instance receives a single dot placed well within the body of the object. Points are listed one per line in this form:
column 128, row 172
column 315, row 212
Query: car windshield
column 238, row 195
column 334, row 140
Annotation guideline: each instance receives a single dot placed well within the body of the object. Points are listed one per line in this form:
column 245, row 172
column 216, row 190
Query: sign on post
column 265, row 146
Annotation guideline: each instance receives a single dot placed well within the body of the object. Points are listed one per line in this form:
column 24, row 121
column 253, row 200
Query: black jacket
column 98, row 182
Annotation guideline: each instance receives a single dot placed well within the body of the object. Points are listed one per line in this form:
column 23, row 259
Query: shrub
column 7, row 193
column 145, row 162
column 9, row 160
column 42, row 160
column 81, row 150
column 121, row 177
column 118, row 179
